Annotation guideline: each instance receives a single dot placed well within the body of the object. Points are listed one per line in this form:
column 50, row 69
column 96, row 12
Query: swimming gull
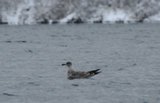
column 72, row 74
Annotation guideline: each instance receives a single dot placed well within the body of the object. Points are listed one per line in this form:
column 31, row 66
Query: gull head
column 69, row 64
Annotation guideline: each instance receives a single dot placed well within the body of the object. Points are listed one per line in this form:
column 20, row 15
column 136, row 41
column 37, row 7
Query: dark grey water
column 128, row 55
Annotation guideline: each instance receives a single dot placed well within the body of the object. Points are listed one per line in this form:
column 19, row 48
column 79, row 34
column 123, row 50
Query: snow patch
column 117, row 15
column 155, row 18
column 110, row 15
column 23, row 14
column 68, row 18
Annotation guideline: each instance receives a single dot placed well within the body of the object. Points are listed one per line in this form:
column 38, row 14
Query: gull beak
column 63, row 64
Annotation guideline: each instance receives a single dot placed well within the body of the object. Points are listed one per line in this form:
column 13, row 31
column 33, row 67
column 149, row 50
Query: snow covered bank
column 78, row 11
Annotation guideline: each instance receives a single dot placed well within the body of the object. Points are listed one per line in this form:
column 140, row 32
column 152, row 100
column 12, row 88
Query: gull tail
column 94, row 72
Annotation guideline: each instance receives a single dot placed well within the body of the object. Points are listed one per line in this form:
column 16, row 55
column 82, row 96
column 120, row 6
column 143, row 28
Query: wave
column 19, row 12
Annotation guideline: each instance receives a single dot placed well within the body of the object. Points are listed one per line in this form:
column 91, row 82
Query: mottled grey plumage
column 72, row 74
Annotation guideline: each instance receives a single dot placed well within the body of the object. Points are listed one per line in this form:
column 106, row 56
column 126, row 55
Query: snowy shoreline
column 19, row 12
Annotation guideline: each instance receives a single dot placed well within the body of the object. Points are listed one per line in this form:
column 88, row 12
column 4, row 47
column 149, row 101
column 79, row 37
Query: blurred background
column 125, row 46
column 78, row 11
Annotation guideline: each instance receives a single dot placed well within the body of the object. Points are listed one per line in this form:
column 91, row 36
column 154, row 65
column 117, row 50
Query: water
column 128, row 55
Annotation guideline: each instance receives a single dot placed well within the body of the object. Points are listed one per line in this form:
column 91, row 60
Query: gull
column 72, row 74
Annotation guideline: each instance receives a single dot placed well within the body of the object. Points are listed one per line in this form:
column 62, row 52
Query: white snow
column 115, row 16
column 155, row 18
column 22, row 14
column 68, row 18
column 121, row 11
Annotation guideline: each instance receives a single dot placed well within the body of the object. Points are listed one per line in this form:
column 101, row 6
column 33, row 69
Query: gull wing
column 80, row 74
